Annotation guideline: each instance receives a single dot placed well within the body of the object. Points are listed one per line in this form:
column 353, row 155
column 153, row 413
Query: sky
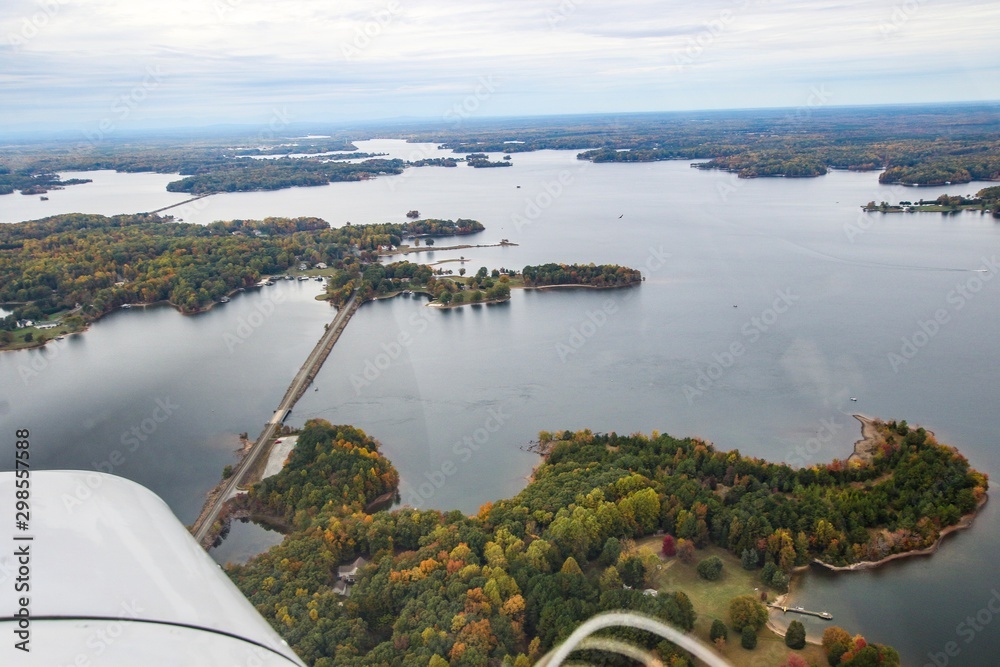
column 99, row 67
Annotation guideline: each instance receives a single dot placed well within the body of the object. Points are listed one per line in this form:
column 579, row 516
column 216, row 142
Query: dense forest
column 331, row 470
column 506, row 585
column 604, row 275
column 99, row 263
column 244, row 175
column 434, row 227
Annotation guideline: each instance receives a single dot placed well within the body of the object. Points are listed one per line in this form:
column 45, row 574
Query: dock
column 825, row 615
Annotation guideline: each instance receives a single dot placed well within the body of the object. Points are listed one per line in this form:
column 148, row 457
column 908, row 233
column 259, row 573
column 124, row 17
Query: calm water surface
column 464, row 390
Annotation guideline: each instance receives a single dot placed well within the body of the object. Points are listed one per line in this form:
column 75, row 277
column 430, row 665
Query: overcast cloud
column 71, row 64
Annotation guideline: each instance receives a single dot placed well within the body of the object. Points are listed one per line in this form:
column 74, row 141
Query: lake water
column 812, row 296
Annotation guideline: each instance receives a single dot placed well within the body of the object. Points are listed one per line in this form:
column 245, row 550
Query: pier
column 825, row 615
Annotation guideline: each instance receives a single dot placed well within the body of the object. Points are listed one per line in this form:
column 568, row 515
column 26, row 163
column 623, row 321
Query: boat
column 289, row 278
column 301, row 278
column 44, row 198
column 224, row 299
column 126, row 306
column 854, row 398
column 319, row 279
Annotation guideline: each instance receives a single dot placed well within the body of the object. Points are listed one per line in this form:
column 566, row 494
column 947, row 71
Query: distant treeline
column 921, row 145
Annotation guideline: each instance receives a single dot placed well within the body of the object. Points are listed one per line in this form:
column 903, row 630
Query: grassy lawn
column 711, row 601
column 18, row 336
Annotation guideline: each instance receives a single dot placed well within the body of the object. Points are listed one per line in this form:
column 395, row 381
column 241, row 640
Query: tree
column 685, row 551
column 746, row 610
column 570, row 566
column 748, row 638
column 610, row 581
column 836, row 642
column 710, row 568
column 719, row 629
column 413, row 215
column 669, row 548
column 795, row 636
column 748, row 559
column 461, row 271
column 611, row 551
column 794, row 660
column 430, row 241
column 632, row 571
column 780, row 581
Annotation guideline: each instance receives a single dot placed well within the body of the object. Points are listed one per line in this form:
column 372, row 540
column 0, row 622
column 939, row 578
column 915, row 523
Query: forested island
column 30, row 182
column 582, row 275
column 506, row 585
column 483, row 287
column 247, row 175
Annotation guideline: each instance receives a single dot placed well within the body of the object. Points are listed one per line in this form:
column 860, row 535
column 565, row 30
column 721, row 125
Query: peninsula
column 510, row 582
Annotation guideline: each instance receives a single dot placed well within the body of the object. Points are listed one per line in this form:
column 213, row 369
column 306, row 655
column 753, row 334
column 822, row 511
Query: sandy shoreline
column 864, row 448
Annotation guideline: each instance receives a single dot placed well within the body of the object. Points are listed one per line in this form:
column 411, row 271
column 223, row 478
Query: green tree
column 570, row 566
column 611, row 551
column 795, row 636
column 748, row 638
column 719, row 629
column 710, row 568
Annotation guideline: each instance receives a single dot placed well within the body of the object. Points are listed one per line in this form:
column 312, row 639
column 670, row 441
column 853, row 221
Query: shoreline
column 786, row 598
column 427, row 248
column 576, row 285
column 869, row 437
column 964, row 522
column 160, row 302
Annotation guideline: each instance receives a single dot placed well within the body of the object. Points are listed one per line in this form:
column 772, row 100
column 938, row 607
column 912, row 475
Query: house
column 348, row 573
column 321, row 265
column 50, row 325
